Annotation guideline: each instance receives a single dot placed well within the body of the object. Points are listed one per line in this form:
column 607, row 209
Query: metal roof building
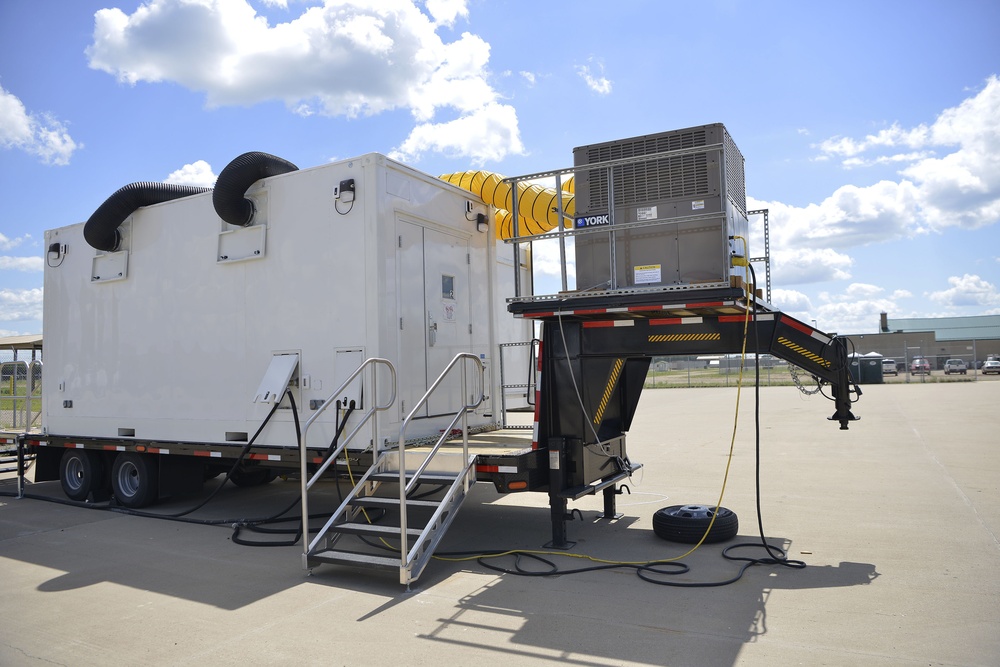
column 979, row 327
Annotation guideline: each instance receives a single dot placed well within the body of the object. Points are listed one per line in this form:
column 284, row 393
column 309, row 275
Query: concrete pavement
column 897, row 518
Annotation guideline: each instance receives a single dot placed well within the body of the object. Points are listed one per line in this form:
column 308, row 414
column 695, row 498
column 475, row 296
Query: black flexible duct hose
column 101, row 230
column 232, row 184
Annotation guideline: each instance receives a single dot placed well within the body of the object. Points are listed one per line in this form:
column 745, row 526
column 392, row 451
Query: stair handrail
column 446, row 501
column 307, row 481
column 462, row 414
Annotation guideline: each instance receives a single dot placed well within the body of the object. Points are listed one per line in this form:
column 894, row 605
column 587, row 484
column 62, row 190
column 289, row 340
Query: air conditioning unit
column 672, row 202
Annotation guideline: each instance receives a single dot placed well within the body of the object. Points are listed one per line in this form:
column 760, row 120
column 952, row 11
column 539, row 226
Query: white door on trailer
column 435, row 316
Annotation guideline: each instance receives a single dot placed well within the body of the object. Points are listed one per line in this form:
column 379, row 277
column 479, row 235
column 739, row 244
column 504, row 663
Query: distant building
column 936, row 339
column 979, row 327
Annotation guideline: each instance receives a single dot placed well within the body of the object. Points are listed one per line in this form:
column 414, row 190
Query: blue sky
column 871, row 130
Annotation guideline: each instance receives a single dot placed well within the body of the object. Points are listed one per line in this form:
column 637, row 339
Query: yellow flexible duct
column 536, row 205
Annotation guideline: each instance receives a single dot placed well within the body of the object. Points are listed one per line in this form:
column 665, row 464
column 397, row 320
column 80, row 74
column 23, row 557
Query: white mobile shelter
column 188, row 328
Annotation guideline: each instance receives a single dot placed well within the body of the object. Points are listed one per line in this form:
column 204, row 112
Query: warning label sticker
column 647, row 273
column 698, row 204
column 644, row 213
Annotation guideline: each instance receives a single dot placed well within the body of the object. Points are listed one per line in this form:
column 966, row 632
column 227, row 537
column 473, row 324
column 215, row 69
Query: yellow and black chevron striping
column 616, row 370
column 815, row 358
column 677, row 338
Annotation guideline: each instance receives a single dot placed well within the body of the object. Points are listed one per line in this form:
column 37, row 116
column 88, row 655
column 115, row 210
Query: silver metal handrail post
column 306, row 482
column 404, row 486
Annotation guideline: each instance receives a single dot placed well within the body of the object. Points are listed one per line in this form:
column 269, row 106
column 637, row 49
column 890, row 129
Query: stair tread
column 428, row 477
column 372, row 529
column 352, row 558
column 374, row 501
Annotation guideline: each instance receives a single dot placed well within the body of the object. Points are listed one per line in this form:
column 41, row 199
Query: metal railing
column 611, row 230
column 372, row 364
column 528, row 387
column 462, row 415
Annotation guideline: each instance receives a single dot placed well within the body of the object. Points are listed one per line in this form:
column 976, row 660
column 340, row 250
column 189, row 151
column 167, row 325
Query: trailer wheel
column 135, row 479
column 687, row 523
column 81, row 472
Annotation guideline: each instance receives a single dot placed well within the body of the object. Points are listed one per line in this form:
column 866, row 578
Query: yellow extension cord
column 594, row 559
column 722, row 493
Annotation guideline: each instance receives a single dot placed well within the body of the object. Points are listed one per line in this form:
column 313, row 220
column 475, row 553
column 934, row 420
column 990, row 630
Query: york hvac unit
column 679, row 199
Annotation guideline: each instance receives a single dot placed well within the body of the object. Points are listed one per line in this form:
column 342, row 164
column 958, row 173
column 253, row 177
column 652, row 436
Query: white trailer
column 180, row 333
column 188, row 332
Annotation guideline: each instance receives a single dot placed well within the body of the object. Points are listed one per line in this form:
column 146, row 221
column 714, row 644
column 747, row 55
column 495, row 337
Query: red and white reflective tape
column 214, row 455
column 807, row 330
column 664, row 321
column 538, row 396
column 265, row 457
column 608, row 323
column 630, row 309
column 113, row 448
column 506, row 470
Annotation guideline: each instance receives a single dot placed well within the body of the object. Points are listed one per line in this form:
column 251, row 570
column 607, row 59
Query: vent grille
column 685, row 176
column 735, row 180
column 682, row 176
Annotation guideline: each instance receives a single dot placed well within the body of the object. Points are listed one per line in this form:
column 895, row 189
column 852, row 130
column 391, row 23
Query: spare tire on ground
column 687, row 523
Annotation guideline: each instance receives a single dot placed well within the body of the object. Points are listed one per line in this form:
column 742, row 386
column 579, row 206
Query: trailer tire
column 135, row 479
column 687, row 523
column 81, row 472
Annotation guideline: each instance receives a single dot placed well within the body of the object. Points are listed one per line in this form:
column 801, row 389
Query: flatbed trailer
column 396, row 380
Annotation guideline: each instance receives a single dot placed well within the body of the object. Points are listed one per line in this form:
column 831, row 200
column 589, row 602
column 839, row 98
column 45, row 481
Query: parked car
column 991, row 367
column 918, row 366
column 889, row 367
column 955, row 366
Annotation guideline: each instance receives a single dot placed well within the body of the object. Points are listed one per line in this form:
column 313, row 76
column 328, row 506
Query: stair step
column 373, row 501
column 443, row 479
column 372, row 529
column 375, row 561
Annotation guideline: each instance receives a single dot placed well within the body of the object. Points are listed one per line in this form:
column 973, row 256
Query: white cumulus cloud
column 795, row 266
column 38, row 134
column 967, row 290
column 197, row 174
column 596, row 82
column 446, row 11
column 950, row 168
column 27, row 264
column 486, row 134
column 342, row 58
column 8, row 243
column 18, row 305
column 855, row 310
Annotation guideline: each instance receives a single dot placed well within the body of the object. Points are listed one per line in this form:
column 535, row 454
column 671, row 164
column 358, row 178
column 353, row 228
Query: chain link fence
column 20, row 393
column 724, row 370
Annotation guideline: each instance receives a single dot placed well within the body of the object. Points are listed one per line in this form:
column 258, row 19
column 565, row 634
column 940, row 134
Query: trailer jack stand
column 559, row 516
column 610, row 512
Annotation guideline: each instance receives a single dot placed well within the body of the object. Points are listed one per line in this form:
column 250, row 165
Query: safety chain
column 798, row 382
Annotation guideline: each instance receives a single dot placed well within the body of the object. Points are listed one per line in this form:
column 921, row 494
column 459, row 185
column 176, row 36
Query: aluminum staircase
column 407, row 529
column 426, row 521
